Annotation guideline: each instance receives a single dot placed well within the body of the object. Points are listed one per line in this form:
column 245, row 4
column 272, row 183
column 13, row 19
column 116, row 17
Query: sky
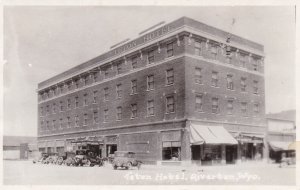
column 40, row 42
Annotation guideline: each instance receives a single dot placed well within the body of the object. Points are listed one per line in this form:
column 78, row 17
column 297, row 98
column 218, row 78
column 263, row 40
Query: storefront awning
column 280, row 145
column 88, row 140
column 210, row 135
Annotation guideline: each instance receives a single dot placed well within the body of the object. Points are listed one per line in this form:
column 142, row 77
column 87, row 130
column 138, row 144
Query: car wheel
column 139, row 165
column 115, row 167
column 128, row 165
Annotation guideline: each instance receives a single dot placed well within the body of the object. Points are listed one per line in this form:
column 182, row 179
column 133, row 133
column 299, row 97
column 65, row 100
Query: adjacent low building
column 180, row 93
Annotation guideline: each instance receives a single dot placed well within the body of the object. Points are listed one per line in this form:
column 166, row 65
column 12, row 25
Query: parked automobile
column 125, row 159
column 87, row 158
column 43, row 157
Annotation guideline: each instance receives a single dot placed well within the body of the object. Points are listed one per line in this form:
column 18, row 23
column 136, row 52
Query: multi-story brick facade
column 145, row 96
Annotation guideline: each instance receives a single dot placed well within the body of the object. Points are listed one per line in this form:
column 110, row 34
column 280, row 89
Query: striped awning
column 200, row 134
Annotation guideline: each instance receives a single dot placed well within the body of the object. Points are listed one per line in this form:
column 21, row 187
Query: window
column 229, row 82
column 95, row 76
column 197, row 48
column 151, row 56
column 60, row 123
column 170, row 51
column 69, row 86
column 150, row 82
column 106, row 94
column 85, row 80
column 76, row 121
column 170, row 77
column 47, row 109
column 134, row 87
column 230, row 106
column 243, row 84
column 171, row 150
column 255, row 87
column 170, row 104
column 61, row 106
column 150, row 107
column 53, row 108
column 256, row 108
column 198, row 75
column 119, row 90
column 77, row 83
column 42, row 111
column 68, row 122
column 76, row 102
column 85, row 119
column 85, row 101
column 119, row 68
column 133, row 110
column 47, row 125
column 53, row 124
column 106, row 115
column 95, row 116
column 215, row 105
column 242, row 60
column 214, row 51
column 95, row 97
column 106, row 73
column 214, row 79
column 134, row 62
column 69, row 103
column 199, row 102
column 244, row 107
column 229, row 59
column 119, row 113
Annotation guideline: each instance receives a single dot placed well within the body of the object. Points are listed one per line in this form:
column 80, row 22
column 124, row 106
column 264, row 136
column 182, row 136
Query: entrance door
column 231, row 154
column 196, row 152
column 110, row 149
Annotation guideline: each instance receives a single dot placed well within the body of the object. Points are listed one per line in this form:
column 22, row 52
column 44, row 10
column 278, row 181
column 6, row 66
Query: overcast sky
column 40, row 42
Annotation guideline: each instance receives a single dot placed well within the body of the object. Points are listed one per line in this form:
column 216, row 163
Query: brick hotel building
column 172, row 95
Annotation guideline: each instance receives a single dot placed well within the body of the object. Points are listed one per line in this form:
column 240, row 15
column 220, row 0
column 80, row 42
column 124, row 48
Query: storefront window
column 171, row 150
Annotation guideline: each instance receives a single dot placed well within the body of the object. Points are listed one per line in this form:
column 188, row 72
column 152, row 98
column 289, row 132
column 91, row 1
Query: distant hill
column 284, row 115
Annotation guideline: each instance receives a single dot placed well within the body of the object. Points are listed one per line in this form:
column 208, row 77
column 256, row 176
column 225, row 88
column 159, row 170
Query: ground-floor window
column 42, row 150
column 110, row 149
column 50, row 149
column 60, row 149
column 171, row 150
column 252, row 151
column 212, row 152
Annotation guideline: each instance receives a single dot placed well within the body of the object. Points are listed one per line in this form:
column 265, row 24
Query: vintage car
column 42, row 159
column 87, row 158
column 125, row 159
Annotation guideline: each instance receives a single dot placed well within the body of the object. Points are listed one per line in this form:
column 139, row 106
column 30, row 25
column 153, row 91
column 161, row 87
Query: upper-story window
column 119, row 68
column 150, row 82
column 256, row 108
column 85, row 80
column 76, row 102
column 150, row 56
column 69, row 86
column 47, row 125
column 215, row 105
column 197, row 48
column 170, row 50
column 242, row 59
column 106, row 94
column 47, row 110
column 68, row 122
column 53, row 124
column 255, row 87
column 106, row 72
column 69, row 104
column 61, row 106
column 105, row 115
column 119, row 90
column 53, row 108
column 85, row 99
column 170, row 76
column 119, row 113
column 76, row 121
column 95, row 116
column 170, row 104
column 214, row 51
column 199, row 102
column 198, row 75
column 95, row 97
column 134, row 86
column 244, row 107
column 214, row 79
column 77, row 83
column 41, row 111
column 243, row 84
column 150, row 108
column 229, row 82
column 230, row 106
column 255, row 63
column 134, row 62
column 95, row 76
column 85, row 119
column 133, row 110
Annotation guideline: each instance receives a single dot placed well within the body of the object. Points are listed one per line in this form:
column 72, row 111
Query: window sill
column 169, row 85
column 230, row 89
column 215, row 86
column 167, row 113
column 148, row 90
column 131, row 94
column 199, row 111
column 150, row 116
column 199, row 83
column 132, row 118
